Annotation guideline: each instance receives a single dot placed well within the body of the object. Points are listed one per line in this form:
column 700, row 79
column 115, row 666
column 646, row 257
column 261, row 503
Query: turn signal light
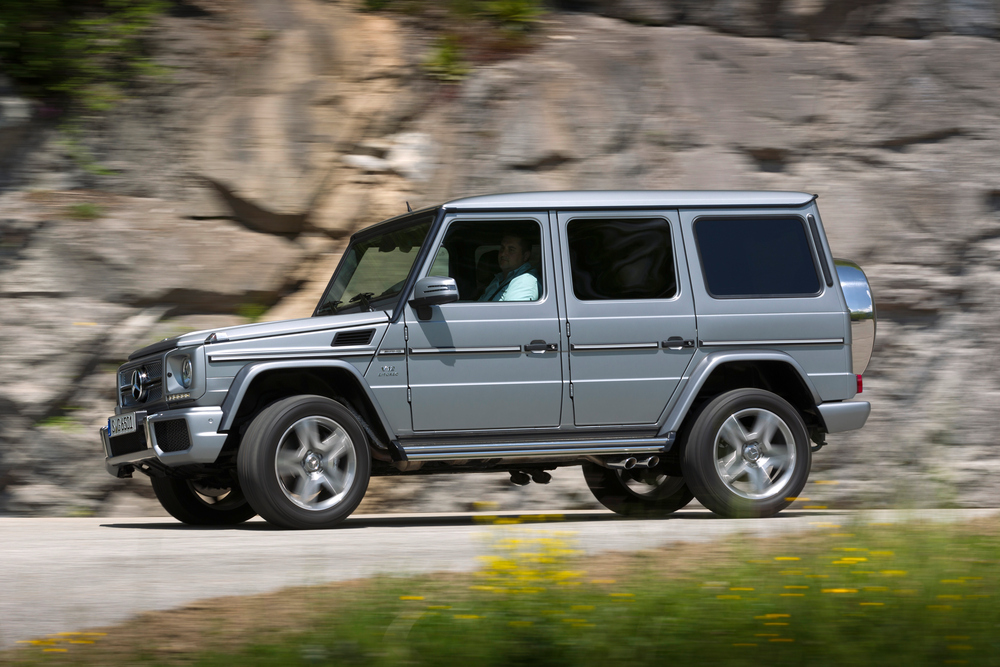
column 861, row 387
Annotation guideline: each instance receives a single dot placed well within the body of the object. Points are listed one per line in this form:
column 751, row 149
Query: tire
column 198, row 504
column 640, row 492
column 304, row 463
column 747, row 454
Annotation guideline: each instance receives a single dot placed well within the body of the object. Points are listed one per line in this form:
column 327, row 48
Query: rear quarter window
column 756, row 257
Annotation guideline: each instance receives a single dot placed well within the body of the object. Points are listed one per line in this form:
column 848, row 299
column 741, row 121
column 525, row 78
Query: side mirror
column 433, row 291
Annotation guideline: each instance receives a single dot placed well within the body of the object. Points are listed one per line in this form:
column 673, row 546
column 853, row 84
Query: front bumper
column 173, row 437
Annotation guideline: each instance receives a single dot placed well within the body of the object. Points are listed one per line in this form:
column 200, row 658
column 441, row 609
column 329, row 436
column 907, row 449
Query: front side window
column 492, row 261
column 374, row 270
column 756, row 257
column 621, row 259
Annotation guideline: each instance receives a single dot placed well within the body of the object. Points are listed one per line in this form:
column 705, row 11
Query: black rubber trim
column 161, row 346
column 819, row 248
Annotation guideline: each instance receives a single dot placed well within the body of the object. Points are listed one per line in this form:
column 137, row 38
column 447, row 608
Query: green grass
column 866, row 594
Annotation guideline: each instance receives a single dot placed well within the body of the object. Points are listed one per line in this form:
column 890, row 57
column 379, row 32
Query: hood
column 265, row 330
column 268, row 329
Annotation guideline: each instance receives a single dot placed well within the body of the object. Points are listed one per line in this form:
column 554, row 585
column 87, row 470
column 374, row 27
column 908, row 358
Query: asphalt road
column 62, row 575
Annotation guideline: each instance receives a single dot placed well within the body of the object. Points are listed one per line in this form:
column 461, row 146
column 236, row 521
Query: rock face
column 836, row 20
column 309, row 109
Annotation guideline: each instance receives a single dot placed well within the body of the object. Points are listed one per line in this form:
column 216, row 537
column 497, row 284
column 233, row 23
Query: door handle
column 537, row 346
column 677, row 343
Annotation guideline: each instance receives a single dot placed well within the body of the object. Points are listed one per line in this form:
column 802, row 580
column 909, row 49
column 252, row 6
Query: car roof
column 590, row 199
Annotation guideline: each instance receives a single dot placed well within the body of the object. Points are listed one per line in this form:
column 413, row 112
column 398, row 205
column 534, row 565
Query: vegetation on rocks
column 468, row 30
column 85, row 53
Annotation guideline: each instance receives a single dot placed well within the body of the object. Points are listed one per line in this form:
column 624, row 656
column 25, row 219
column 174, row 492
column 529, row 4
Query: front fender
column 713, row 360
column 244, row 379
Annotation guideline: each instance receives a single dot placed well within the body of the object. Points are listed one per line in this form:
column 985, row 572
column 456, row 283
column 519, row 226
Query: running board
column 554, row 449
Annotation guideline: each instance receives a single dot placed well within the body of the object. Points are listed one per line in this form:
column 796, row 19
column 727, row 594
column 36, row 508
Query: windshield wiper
column 364, row 298
column 329, row 306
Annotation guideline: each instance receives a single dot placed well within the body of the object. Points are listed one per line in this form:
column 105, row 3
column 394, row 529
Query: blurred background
column 174, row 165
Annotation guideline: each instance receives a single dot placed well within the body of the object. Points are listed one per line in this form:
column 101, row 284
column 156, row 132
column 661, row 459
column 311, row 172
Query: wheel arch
column 772, row 370
column 259, row 384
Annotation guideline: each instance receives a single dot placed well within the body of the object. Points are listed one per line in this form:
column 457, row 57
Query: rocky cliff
column 223, row 191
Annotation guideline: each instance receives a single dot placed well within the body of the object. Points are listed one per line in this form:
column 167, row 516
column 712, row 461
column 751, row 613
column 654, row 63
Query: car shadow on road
column 461, row 519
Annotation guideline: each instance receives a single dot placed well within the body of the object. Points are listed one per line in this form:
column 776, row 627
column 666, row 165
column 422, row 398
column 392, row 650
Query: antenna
column 408, row 209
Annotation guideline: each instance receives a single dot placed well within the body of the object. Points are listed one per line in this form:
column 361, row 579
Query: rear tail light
column 861, row 386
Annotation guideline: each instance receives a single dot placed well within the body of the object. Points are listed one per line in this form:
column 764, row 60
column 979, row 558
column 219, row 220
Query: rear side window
column 621, row 259
column 756, row 257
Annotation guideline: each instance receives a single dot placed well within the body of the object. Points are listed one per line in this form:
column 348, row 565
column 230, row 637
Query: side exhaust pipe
column 632, row 462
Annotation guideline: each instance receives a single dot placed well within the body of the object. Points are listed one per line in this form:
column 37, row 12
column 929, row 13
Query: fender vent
column 361, row 337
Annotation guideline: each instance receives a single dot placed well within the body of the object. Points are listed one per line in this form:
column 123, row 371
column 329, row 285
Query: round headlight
column 187, row 373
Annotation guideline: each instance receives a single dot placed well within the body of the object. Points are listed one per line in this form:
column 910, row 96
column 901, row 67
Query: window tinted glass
column 621, row 259
column 756, row 257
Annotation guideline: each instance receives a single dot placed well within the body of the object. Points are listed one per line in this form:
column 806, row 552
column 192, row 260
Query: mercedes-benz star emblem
column 139, row 389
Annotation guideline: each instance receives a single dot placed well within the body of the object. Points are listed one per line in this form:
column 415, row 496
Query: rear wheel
column 646, row 492
column 202, row 504
column 304, row 463
column 747, row 454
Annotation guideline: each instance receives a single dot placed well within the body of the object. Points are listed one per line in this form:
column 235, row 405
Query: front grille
column 172, row 435
column 128, row 443
column 154, row 369
column 361, row 337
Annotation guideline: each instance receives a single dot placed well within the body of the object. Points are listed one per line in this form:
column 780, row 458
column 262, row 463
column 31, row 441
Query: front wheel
column 200, row 503
column 304, row 463
column 747, row 454
column 644, row 492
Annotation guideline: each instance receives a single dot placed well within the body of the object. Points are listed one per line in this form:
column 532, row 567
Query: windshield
column 374, row 270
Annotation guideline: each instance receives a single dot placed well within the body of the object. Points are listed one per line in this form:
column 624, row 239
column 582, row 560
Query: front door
column 630, row 314
column 487, row 365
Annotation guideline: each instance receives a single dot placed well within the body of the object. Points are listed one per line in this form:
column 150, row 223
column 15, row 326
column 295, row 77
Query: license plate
column 121, row 424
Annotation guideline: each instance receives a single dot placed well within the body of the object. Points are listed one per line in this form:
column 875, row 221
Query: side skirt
column 559, row 449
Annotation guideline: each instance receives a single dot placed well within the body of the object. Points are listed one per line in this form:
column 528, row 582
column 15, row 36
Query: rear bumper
column 844, row 415
column 185, row 436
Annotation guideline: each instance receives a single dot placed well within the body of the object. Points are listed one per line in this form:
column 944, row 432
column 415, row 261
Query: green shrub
column 85, row 211
column 445, row 62
column 70, row 52
column 514, row 14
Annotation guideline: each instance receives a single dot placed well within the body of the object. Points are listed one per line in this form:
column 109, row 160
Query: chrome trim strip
column 615, row 346
column 392, row 352
column 802, row 341
column 294, row 354
column 532, row 449
column 464, row 350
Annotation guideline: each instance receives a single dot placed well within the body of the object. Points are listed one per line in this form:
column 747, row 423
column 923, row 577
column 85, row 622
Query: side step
column 551, row 449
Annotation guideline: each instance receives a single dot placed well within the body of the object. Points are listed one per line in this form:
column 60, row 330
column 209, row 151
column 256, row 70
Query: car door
column 485, row 365
column 630, row 314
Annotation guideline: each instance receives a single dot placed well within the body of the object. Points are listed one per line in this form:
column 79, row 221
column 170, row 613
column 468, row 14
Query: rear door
column 630, row 313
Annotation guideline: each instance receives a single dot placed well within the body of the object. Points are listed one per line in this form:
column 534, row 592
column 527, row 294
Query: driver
column 517, row 281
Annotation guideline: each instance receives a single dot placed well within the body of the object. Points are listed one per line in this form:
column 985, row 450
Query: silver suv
column 672, row 344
